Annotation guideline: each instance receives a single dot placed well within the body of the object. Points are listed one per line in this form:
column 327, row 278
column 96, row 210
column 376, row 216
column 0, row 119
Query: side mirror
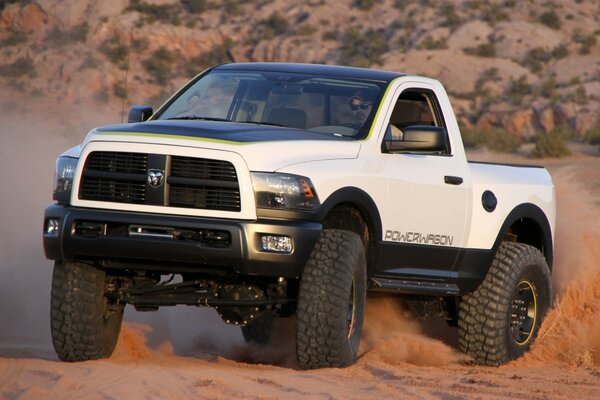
column 139, row 114
column 418, row 138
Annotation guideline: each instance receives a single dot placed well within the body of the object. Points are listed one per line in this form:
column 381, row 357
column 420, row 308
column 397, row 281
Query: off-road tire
column 84, row 325
column 334, row 273
column 259, row 329
column 485, row 316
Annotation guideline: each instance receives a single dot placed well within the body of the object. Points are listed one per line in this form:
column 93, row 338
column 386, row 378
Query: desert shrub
column 363, row 4
column 15, row 38
column 329, row 35
column 306, row 30
column 231, row 7
column 116, row 51
column 471, row 137
column 536, row 58
column 451, row 19
column 155, row 12
column 101, row 96
column 592, row 135
column 430, row 44
column 195, row 6
column 560, row 51
column 22, row 66
column 517, row 90
column 586, row 42
column 4, row 3
column 59, row 37
column 550, row 19
column 496, row 139
column 119, row 90
column 548, row 88
column 551, row 144
column 362, row 49
column 501, row 140
column 159, row 65
column 89, row 62
column 273, row 26
column 219, row 54
column 483, row 50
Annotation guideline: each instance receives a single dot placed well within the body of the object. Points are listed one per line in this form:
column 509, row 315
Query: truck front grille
column 179, row 181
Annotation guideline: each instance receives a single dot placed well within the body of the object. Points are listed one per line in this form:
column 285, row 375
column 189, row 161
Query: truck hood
column 263, row 147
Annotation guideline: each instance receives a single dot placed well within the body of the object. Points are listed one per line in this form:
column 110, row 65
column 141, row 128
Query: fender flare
column 358, row 198
column 534, row 213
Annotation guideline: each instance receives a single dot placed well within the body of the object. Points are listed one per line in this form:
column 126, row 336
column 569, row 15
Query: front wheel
column 499, row 321
column 331, row 301
column 85, row 324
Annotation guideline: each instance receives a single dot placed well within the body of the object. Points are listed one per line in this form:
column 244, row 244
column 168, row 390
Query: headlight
column 284, row 192
column 63, row 178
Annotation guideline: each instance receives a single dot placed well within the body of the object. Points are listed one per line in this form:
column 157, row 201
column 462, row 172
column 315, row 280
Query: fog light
column 52, row 227
column 278, row 244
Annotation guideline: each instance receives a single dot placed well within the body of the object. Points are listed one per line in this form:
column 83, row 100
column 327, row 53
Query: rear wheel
column 499, row 321
column 331, row 301
column 85, row 325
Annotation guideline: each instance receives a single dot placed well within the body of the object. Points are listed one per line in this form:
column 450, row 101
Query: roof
column 315, row 69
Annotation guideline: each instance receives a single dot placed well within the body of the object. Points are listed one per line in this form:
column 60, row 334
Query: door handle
column 453, row 180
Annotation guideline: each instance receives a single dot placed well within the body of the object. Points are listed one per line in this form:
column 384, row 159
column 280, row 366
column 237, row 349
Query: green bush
column 219, row 54
column 15, row 38
column 159, row 65
column 22, row 66
column 592, row 135
column 518, row 89
column 550, row 144
column 273, row 26
column 471, row 137
column 59, row 37
column 430, row 44
column 536, row 58
column 363, row 4
column 483, row 50
column 551, row 19
column 119, row 90
column 501, row 140
column 451, row 19
column 116, row 51
column 496, row 139
column 329, row 35
column 362, row 49
column 195, row 6
column 153, row 12
column 4, row 3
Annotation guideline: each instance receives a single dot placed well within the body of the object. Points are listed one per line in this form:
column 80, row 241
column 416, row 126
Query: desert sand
column 186, row 352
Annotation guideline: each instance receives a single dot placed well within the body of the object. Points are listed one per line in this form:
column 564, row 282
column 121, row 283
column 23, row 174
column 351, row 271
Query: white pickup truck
column 269, row 190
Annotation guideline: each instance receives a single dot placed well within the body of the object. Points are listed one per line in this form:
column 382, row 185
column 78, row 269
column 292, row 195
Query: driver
column 360, row 108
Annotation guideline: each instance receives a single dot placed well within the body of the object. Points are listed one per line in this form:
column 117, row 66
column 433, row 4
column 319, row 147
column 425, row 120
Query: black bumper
column 241, row 253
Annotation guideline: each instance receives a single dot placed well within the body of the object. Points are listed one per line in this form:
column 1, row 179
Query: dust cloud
column 570, row 331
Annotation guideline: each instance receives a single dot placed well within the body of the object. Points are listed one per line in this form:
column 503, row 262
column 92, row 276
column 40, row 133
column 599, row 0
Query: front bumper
column 115, row 246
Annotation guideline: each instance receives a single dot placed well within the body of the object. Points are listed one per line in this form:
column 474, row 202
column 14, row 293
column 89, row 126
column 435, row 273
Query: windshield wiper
column 201, row 118
column 262, row 123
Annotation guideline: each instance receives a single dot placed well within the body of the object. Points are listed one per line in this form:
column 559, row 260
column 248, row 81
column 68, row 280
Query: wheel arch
column 353, row 209
column 528, row 224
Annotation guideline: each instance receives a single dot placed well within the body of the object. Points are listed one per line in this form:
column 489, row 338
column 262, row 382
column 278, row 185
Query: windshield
column 310, row 102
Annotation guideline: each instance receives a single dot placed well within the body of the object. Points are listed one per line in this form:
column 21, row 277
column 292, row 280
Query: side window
column 415, row 107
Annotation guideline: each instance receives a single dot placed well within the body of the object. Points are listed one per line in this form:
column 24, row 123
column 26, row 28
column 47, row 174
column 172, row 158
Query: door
column 426, row 211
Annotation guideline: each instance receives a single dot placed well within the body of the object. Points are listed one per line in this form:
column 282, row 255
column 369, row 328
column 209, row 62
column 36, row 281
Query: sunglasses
column 362, row 106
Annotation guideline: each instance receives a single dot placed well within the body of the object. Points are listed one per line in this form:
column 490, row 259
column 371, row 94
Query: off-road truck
column 268, row 190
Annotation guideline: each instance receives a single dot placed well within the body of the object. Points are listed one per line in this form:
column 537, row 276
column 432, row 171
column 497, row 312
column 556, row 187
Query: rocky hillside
column 524, row 66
